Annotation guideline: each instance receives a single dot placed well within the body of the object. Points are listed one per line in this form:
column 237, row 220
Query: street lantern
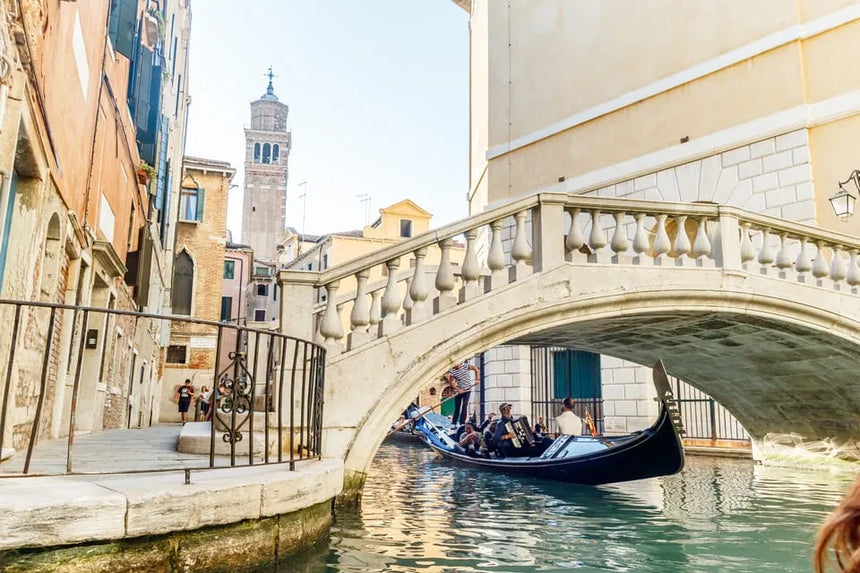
column 843, row 201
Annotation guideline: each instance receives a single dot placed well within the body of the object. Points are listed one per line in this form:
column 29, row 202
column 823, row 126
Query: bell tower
column 267, row 149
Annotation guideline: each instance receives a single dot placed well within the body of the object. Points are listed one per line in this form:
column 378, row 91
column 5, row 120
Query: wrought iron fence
column 73, row 371
column 704, row 418
column 545, row 405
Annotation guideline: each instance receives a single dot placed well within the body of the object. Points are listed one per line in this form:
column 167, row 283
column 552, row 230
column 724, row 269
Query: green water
column 422, row 514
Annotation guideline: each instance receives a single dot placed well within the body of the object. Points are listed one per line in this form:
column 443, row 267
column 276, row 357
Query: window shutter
column 122, row 25
column 200, row 195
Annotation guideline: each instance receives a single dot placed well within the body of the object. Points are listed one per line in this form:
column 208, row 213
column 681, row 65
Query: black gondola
column 656, row 451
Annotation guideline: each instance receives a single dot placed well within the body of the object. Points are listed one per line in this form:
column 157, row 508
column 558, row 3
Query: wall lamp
column 843, row 201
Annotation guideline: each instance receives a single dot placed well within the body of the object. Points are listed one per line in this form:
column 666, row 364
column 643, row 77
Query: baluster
column 803, row 263
column 619, row 243
column 331, row 328
column 470, row 272
column 640, row 239
column 575, row 239
column 360, row 315
column 496, row 258
column 390, row 300
column 682, row 241
column 853, row 276
column 521, row 252
column 765, row 254
column 597, row 238
column 702, row 244
column 783, row 258
column 838, row 271
column 747, row 250
column 418, row 290
column 820, row 268
column 407, row 302
column 375, row 308
column 662, row 244
column 445, row 282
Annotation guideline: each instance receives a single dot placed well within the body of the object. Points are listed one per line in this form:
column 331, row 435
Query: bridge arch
column 763, row 348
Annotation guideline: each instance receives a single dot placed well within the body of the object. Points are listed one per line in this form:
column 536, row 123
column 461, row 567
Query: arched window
column 256, row 153
column 51, row 261
column 267, row 153
column 432, row 391
column 276, row 153
column 183, row 283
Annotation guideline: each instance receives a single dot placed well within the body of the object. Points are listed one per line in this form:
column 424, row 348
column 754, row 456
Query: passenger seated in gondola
column 489, row 440
column 470, row 440
column 486, row 423
column 569, row 424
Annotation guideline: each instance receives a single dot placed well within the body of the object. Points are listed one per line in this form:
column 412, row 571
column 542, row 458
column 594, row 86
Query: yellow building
column 755, row 104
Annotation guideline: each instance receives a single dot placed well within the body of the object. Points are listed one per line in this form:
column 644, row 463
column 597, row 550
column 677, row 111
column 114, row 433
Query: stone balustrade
column 547, row 230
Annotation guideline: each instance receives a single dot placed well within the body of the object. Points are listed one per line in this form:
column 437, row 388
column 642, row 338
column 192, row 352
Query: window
column 310, row 266
column 274, row 292
column 122, row 25
column 262, row 290
column 256, row 153
column 260, row 315
column 276, row 153
column 432, row 391
column 405, row 227
column 324, row 262
column 229, row 269
column 176, row 354
column 226, row 308
column 262, row 271
column 190, row 204
column 267, row 153
column 183, row 283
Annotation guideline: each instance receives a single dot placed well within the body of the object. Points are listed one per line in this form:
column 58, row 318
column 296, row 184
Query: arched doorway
column 447, row 405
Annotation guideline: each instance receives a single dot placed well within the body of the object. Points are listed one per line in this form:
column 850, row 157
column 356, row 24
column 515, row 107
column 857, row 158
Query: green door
column 576, row 373
column 447, row 405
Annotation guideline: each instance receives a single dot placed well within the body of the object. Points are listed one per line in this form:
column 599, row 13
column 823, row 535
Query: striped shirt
column 461, row 375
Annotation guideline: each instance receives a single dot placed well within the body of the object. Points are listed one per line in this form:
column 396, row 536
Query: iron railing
column 545, row 405
column 704, row 418
column 73, row 370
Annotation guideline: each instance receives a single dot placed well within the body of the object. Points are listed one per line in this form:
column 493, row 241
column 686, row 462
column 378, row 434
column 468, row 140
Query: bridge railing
column 80, row 388
column 546, row 230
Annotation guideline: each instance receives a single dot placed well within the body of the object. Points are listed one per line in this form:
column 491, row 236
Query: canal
column 420, row 514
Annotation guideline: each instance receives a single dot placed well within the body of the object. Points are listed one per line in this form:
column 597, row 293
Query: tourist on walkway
column 460, row 379
column 569, row 424
column 842, row 531
column 185, row 393
column 203, row 400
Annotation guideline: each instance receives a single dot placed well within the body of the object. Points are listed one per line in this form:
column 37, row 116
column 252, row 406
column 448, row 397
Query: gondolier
column 460, row 379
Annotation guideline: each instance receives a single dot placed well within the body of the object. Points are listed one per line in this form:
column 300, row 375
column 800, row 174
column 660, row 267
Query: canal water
column 422, row 514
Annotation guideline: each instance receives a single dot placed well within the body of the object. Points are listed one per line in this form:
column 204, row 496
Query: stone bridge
column 761, row 313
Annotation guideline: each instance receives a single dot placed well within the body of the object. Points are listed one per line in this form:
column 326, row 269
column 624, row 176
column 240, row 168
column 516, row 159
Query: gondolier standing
column 460, row 379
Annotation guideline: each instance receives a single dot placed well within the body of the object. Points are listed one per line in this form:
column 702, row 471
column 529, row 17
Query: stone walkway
column 113, row 451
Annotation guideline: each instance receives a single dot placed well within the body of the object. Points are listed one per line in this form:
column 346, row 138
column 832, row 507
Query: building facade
column 75, row 111
column 267, row 151
column 757, row 110
column 198, row 275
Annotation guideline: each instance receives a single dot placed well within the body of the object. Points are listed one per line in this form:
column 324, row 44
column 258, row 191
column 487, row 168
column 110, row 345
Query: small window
column 260, row 315
column 432, row 391
column 405, row 227
column 274, row 292
column 256, row 153
column 191, row 204
column 176, row 354
column 229, row 269
column 267, row 153
column 226, row 308
column 310, row 266
column 276, row 153
column 324, row 262
column 262, row 290
column 264, row 271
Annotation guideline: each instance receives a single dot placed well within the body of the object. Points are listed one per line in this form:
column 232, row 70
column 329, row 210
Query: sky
column 377, row 93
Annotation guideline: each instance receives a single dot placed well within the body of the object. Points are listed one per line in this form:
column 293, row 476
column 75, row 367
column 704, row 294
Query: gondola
column 656, row 451
column 409, row 434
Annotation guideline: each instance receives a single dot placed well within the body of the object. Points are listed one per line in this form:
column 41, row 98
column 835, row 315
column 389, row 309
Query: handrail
column 571, row 201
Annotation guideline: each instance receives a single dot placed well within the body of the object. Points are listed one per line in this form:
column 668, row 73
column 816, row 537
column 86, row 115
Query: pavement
column 112, row 451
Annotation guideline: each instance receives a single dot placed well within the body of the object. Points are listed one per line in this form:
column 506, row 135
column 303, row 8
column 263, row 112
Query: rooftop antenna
column 365, row 198
column 304, row 198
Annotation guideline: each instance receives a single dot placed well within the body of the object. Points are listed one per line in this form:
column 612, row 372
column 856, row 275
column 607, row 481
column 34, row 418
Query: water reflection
column 422, row 514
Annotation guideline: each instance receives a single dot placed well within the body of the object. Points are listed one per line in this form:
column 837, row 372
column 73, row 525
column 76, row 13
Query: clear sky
column 378, row 98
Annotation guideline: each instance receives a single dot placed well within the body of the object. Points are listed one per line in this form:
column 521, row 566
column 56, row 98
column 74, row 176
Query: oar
column 413, row 420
